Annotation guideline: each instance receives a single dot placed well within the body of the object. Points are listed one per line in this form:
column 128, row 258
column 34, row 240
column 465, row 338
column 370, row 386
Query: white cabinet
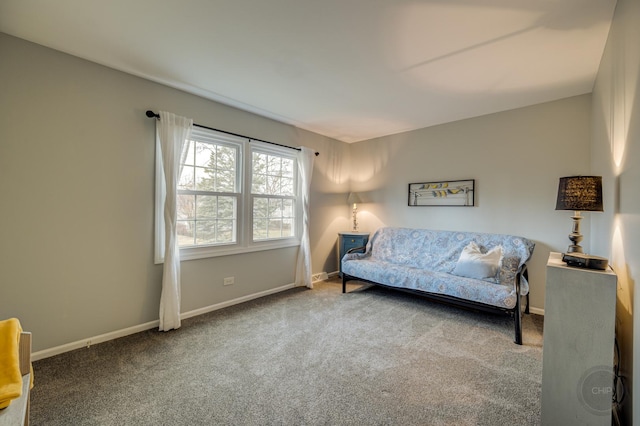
column 578, row 349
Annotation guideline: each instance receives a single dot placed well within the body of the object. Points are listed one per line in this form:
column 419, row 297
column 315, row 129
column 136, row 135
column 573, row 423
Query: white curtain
column 306, row 156
column 172, row 131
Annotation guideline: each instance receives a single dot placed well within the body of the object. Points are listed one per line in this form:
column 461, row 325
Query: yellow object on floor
column 10, row 377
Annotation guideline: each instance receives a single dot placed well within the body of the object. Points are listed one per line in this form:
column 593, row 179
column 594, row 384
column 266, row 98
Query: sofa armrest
column 522, row 280
column 523, row 274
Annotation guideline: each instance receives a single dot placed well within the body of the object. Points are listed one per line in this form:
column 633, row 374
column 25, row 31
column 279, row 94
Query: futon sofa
column 477, row 270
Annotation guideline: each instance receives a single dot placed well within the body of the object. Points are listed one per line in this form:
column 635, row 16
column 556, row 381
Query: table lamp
column 354, row 199
column 580, row 193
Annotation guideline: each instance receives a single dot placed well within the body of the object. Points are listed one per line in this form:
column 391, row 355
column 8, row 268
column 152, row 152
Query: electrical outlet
column 229, row 280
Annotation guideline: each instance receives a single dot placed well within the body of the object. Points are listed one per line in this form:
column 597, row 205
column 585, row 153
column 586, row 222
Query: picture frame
column 450, row 193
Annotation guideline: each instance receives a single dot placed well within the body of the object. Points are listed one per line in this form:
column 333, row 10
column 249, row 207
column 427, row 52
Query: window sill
column 193, row 253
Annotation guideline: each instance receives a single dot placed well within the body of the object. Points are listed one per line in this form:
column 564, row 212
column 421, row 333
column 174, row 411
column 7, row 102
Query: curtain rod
column 152, row 114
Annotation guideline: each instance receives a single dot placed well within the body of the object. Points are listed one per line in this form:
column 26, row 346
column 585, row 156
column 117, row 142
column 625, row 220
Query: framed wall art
column 443, row 193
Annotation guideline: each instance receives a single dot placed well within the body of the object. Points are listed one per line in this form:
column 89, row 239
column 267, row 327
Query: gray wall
column 77, row 191
column 616, row 156
column 516, row 158
column 76, row 183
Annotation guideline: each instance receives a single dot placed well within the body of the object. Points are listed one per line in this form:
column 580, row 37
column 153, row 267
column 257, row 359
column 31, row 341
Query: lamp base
column 575, row 248
column 575, row 236
column 355, row 218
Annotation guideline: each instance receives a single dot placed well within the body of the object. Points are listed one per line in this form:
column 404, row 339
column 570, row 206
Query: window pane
column 286, row 186
column 275, row 228
column 287, row 208
column 205, row 154
column 225, row 181
column 226, row 158
column 260, row 229
column 204, row 179
column 259, row 163
column 186, row 178
column 287, row 228
column 287, row 167
column 259, row 170
column 186, row 206
column 275, row 208
column 274, row 165
column 226, row 232
column 207, row 207
column 260, row 207
column 273, row 185
column 272, row 175
column 259, row 184
column 226, row 207
column 185, row 232
column 206, row 219
column 226, row 167
column 205, row 231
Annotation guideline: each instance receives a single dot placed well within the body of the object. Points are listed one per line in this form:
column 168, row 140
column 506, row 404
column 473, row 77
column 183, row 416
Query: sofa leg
column 517, row 319
column 344, row 282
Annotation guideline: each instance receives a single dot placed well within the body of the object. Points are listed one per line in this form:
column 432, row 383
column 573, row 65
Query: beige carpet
column 305, row 357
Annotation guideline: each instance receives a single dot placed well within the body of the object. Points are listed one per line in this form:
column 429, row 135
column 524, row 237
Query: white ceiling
column 348, row 69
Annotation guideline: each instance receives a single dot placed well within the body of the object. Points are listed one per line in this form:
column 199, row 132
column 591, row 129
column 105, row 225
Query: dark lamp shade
column 580, row 193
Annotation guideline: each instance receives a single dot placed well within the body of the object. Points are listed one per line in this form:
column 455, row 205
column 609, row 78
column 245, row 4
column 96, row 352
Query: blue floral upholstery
column 422, row 259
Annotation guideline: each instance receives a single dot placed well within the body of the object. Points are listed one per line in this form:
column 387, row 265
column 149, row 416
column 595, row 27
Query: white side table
column 579, row 340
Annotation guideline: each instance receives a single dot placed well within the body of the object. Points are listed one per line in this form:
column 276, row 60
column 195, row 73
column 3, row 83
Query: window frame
column 244, row 221
column 283, row 152
column 226, row 141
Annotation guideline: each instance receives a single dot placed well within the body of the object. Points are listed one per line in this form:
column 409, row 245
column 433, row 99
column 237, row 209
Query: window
column 217, row 213
column 208, row 192
column 273, row 196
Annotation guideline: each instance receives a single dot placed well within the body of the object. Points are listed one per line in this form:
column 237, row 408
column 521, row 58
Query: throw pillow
column 473, row 263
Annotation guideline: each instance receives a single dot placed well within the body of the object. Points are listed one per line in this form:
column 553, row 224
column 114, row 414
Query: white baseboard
column 85, row 343
column 536, row 311
column 236, row 301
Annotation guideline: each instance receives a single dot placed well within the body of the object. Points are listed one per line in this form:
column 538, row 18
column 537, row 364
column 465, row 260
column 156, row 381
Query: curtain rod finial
column 152, row 114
